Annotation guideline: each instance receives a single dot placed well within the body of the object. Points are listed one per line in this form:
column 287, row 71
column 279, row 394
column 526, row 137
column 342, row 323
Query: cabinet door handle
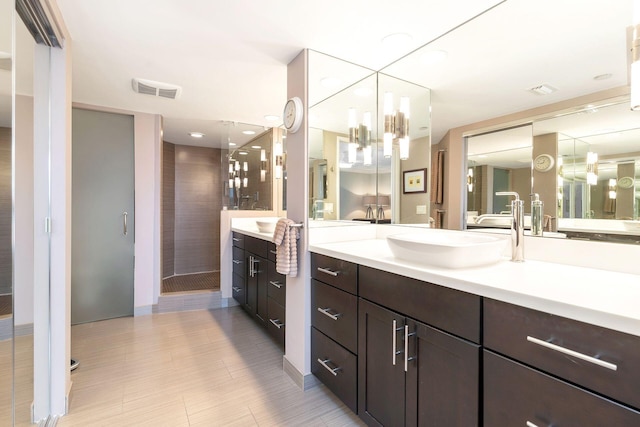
column 236, row 289
column 235, row 239
column 334, row 371
column 394, row 349
column 277, row 323
column 407, row 359
column 326, row 312
column 124, row 223
column 236, row 261
column 276, row 284
column 572, row 353
column 273, row 252
column 530, row 424
column 327, row 271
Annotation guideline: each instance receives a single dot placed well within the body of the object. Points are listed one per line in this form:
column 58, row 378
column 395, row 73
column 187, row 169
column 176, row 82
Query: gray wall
column 197, row 204
column 5, row 210
column 168, row 208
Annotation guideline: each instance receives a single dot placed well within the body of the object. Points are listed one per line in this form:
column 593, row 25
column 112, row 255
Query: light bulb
column 366, row 119
column 263, row 155
column 352, row 147
column 367, row 155
column 404, row 148
column 388, row 145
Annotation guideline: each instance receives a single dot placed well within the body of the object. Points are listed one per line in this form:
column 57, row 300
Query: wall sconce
column 396, row 126
column 383, row 200
column 612, row 188
column 635, row 58
column 592, row 168
column 263, row 165
column 470, row 180
column 368, row 201
column 277, row 151
column 359, row 137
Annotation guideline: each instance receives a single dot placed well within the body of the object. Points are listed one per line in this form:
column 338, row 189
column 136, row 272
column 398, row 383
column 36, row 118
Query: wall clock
column 292, row 114
column 625, row 182
column 543, row 162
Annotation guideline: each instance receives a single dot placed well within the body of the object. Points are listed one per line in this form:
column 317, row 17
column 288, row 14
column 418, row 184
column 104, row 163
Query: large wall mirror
column 357, row 174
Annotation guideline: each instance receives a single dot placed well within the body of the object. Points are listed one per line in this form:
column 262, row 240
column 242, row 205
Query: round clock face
column 292, row 114
column 543, row 163
column 625, row 182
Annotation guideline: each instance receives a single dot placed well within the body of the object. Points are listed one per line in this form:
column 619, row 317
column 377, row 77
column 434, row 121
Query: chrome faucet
column 517, row 226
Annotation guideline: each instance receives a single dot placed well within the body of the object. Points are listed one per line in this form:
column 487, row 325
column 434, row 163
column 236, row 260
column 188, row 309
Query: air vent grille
column 153, row 88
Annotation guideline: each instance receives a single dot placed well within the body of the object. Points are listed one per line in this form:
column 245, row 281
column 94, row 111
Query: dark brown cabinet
column 413, row 374
column 257, row 286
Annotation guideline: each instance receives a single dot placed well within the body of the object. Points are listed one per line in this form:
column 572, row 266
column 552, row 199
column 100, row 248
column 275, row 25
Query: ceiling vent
column 543, row 89
column 150, row 87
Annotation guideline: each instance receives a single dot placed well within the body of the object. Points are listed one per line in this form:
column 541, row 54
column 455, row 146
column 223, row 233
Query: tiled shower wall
column 197, row 201
column 5, row 210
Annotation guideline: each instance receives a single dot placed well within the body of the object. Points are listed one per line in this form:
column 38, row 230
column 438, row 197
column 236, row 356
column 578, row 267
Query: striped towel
column 286, row 239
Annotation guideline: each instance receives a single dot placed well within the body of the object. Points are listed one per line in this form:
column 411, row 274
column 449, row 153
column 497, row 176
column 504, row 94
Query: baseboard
column 304, row 382
column 228, row 302
column 142, row 310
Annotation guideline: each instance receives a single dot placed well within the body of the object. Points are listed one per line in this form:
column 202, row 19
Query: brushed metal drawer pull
column 273, row 252
column 276, row 323
column 572, row 353
column 327, row 271
column 326, row 312
column 235, row 239
column 235, row 261
column 334, row 371
column 276, row 284
column 530, row 424
column 236, row 289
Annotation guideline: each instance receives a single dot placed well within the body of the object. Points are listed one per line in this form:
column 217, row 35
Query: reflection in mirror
column 6, row 257
column 498, row 161
column 354, row 175
column 596, row 172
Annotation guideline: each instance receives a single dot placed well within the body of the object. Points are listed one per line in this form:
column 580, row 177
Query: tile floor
column 195, row 368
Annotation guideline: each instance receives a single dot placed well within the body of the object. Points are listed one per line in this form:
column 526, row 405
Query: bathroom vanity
column 531, row 344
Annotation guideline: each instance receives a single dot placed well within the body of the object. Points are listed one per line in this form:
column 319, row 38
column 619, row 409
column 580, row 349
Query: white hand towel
column 286, row 239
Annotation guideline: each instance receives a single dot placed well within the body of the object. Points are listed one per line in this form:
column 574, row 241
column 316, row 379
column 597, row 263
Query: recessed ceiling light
column 543, row 89
column 232, row 144
column 271, row 118
column 433, row 57
column 397, row 40
column 363, row 91
column 256, row 147
column 196, row 134
column 330, row 82
column 603, row 76
column 244, row 153
column 249, row 132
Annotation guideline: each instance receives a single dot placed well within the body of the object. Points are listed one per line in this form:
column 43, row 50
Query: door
column 102, row 216
column 443, row 382
column 381, row 376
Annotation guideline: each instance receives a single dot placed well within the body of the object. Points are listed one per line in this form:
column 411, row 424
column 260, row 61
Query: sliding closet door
column 103, row 216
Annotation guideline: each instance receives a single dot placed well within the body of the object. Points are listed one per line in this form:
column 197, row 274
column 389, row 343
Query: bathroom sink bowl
column 266, row 226
column 447, row 248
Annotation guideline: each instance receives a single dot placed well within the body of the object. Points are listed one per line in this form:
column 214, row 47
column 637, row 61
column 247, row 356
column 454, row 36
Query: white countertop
column 610, row 299
column 604, row 298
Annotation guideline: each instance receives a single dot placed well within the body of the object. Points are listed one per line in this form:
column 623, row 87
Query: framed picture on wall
column 414, row 181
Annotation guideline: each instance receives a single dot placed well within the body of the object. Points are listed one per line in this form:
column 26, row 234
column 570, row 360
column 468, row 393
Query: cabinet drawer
column 335, row 313
column 272, row 251
column 338, row 273
column 515, row 395
column 237, row 239
column 566, row 348
column 276, row 287
column 335, row 367
column 276, row 319
column 238, row 289
column 453, row 311
column 256, row 246
column 238, row 261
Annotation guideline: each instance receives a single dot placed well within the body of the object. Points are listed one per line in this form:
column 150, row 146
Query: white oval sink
column 266, row 226
column 447, row 248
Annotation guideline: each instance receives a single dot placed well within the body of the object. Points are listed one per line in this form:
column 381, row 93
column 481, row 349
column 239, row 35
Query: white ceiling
column 230, row 57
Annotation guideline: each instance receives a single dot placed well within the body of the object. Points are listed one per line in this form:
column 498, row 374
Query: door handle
column 124, row 223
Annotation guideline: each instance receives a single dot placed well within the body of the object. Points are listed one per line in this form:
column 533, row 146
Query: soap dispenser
column 536, row 215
